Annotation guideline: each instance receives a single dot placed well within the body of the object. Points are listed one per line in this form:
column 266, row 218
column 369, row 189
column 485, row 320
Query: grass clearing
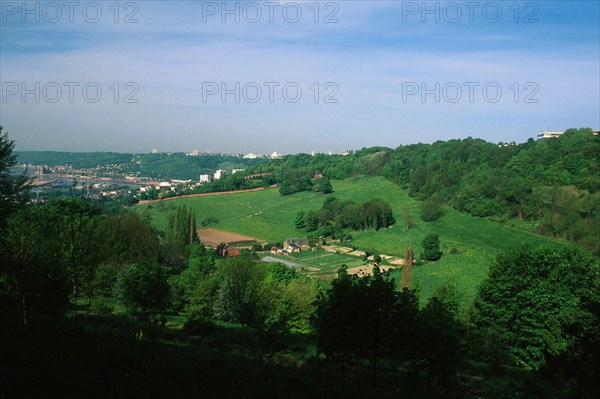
column 269, row 216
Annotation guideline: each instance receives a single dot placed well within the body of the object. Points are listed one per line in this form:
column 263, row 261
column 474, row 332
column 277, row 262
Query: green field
column 322, row 264
column 269, row 216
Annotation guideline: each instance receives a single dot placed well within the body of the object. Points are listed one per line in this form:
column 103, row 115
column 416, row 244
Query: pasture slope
column 269, row 216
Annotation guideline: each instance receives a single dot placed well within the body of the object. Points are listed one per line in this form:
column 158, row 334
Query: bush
column 258, row 247
column 102, row 306
column 431, row 247
column 431, row 209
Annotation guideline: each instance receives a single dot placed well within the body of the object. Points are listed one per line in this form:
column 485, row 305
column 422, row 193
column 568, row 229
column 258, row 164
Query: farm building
column 226, row 250
column 296, row 244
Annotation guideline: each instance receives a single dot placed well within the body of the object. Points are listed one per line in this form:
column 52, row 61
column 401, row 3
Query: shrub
column 431, row 247
column 431, row 209
column 102, row 306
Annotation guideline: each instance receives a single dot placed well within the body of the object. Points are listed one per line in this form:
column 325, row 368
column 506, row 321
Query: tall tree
column 356, row 318
column 33, row 265
column 431, row 247
column 528, row 295
column 79, row 242
column 324, row 185
column 439, row 336
column 13, row 190
column 299, row 222
column 336, row 319
column 193, row 232
column 125, row 240
column 145, row 292
column 409, row 222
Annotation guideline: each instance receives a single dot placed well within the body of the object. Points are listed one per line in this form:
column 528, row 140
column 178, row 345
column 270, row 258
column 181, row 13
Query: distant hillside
column 75, row 159
column 551, row 186
column 159, row 166
column 269, row 216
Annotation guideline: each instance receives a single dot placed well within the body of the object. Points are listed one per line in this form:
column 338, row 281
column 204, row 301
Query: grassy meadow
column 469, row 243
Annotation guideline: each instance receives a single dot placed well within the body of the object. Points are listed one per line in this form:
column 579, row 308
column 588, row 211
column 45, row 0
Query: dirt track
column 204, row 195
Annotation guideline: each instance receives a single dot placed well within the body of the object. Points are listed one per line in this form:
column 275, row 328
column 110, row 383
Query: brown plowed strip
column 214, row 237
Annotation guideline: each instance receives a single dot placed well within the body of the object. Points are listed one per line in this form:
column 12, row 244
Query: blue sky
column 392, row 72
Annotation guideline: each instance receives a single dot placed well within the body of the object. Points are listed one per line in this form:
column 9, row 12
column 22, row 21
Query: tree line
column 553, row 184
column 335, row 216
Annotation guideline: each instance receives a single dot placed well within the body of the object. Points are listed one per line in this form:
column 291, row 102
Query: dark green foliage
column 368, row 318
column 431, row 209
column 32, row 265
column 80, row 244
column 336, row 320
column 144, row 290
column 440, row 337
column 377, row 214
column 337, row 215
column 105, row 280
column 76, row 159
column 300, row 222
column 409, row 222
column 294, row 181
column 127, row 240
column 188, row 287
column 258, row 247
column 431, row 247
column 311, row 221
column 202, row 261
column 13, row 189
column 324, row 186
column 555, row 181
column 580, row 361
column 281, row 273
column 234, row 182
column 102, row 305
column 182, row 225
column 238, row 288
column 268, row 298
column 406, row 327
column 359, row 318
column 532, row 296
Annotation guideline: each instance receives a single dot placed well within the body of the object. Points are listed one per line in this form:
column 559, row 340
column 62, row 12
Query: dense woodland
column 552, row 185
column 99, row 304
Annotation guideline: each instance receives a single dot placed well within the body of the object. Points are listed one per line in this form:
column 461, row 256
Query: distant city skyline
column 291, row 77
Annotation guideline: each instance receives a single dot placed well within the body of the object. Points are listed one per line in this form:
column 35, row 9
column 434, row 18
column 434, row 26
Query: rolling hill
column 469, row 243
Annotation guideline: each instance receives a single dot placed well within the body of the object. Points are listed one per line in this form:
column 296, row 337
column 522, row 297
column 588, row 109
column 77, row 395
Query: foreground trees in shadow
column 368, row 318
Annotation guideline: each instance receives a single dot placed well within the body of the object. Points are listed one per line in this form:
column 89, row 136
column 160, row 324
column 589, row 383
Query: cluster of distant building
column 291, row 245
column 274, row 155
column 217, row 175
column 550, row 134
